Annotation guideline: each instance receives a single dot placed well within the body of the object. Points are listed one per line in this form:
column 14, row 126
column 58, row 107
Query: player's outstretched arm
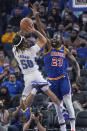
column 72, row 59
column 39, row 25
column 41, row 39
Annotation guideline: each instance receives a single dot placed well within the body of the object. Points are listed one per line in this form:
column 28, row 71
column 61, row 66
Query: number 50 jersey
column 26, row 59
column 55, row 62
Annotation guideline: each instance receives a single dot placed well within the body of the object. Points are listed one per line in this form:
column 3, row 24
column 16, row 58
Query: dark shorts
column 61, row 87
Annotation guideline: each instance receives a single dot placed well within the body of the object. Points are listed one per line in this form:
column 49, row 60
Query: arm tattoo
column 39, row 35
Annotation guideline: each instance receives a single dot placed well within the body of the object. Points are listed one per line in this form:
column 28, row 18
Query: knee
column 68, row 102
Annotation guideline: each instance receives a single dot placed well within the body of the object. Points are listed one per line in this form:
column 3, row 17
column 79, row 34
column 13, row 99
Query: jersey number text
column 26, row 63
column 57, row 61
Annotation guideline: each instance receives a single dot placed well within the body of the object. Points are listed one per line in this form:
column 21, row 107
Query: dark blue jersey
column 23, row 117
column 55, row 62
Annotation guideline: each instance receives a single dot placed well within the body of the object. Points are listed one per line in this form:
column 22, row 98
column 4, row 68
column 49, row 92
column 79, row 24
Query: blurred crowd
column 56, row 17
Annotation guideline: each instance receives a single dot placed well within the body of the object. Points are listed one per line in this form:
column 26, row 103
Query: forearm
column 72, row 59
column 15, row 113
column 40, row 127
column 38, row 22
column 40, row 36
column 27, row 125
column 77, row 68
column 39, row 26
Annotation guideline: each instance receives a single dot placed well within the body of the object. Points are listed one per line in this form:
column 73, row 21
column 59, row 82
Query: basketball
column 26, row 22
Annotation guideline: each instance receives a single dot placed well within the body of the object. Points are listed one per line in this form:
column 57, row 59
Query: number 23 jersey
column 26, row 59
column 55, row 62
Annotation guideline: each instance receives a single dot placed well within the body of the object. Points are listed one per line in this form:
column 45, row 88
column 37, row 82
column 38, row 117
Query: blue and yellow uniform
column 23, row 117
column 56, row 69
column 14, row 88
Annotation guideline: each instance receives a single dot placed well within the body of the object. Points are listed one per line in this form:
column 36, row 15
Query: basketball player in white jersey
column 25, row 55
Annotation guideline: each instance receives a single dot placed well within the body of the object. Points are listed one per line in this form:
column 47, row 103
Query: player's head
column 20, row 42
column 25, row 23
column 57, row 40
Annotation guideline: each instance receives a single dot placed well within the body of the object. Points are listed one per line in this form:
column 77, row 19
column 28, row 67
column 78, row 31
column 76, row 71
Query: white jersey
column 26, row 59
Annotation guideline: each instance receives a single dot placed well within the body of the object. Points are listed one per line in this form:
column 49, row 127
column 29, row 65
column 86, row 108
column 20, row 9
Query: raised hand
column 30, row 29
column 34, row 10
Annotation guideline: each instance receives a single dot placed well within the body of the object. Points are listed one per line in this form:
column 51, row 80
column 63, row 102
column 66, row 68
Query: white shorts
column 28, row 79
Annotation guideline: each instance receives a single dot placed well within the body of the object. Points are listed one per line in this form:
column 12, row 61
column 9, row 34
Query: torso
column 55, row 62
column 26, row 59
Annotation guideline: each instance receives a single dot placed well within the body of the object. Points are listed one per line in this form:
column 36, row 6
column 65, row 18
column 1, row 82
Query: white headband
column 22, row 37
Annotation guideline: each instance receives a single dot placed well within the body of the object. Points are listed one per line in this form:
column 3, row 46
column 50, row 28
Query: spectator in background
column 18, row 13
column 2, row 57
column 7, row 5
column 3, row 17
column 4, row 117
column 55, row 14
column 20, row 9
column 6, row 40
column 8, row 36
column 79, row 97
column 50, row 26
column 14, row 86
column 61, row 30
column 40, row 62
column 5, row 97
column 17, row 70
column 37, row 121
column 20, row 116
column 83, row 21
column 42, row 12
column 5, row 9
column 54, row 4
column 68, row 22
column 75, row 41
column 66, row 12
column 5, row 70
